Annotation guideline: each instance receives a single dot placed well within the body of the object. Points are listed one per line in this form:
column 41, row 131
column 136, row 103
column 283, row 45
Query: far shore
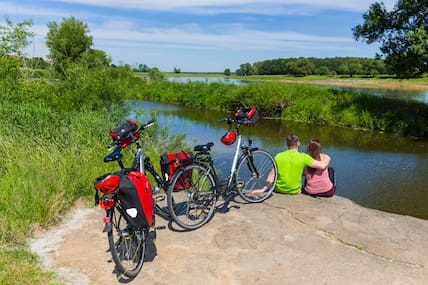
column 399, row 84
column 381, row 82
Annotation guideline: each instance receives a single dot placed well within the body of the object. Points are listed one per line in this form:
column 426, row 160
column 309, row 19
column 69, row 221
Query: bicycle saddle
column 204, row 147
column 115, row 155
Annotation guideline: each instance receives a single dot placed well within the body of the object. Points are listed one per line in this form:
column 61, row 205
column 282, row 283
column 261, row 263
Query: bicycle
column 253, row 176
column 127, row 223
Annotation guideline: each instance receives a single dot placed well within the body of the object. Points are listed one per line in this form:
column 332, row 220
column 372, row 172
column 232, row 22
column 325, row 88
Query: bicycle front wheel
column 254, row 171
column 192, row 196
column 127, row 245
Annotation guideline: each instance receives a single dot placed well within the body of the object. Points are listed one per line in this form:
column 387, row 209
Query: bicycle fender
column 107, row 224
column 107, row 227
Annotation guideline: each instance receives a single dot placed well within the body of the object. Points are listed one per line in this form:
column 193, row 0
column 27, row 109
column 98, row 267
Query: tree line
column 349, row 66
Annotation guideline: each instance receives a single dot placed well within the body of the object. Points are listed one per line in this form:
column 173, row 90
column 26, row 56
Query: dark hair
column 292, row 140
column 314, row 150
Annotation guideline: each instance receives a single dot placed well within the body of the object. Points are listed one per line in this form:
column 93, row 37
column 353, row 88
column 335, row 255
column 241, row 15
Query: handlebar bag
column 247, row 116
column 170, row 162
column 136, row 200
column 126, row 133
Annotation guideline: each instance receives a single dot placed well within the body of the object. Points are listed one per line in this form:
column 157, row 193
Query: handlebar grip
column 113, row 144
column 150, row 122
column 146, row 125
column 228, row 120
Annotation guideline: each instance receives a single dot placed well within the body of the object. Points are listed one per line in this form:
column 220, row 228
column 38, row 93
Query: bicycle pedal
column 160, row 228
column 159, row 197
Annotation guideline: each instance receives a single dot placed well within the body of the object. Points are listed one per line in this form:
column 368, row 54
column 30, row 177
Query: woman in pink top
column 318, row 182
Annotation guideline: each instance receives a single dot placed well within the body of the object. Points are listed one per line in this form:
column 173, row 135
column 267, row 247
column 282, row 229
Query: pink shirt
column 318, row 182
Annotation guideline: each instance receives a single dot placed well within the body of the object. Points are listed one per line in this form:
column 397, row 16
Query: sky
column 203, row 35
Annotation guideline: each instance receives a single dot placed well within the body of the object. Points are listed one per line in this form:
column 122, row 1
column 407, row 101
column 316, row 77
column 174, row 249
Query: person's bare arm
column 321, row 164
column 269, row 181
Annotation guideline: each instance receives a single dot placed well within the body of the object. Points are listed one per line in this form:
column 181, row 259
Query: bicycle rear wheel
column 127, row 245
column 252, row 175
column 191, row 196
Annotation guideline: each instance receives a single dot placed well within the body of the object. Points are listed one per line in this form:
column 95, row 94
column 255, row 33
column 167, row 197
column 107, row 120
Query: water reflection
column 379, row 171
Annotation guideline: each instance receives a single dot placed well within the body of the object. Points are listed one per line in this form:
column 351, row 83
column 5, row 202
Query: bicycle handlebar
column 146, row 125
column 142, row 127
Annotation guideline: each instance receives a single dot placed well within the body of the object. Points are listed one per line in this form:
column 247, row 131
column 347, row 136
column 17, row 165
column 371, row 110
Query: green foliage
column 10, row 74
column 14, row 37
column 301, row 67
column 156, row 75
column 227, row 72
column 403, row 34
column 95, row 58
column 319, row 66
column 245, row 69
column 67, row 42
column 18, row 267
column 304, row 103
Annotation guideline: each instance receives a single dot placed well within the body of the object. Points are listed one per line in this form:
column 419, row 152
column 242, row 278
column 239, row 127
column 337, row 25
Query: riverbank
column 380, row 82
column 366, row 83
column 285, row 240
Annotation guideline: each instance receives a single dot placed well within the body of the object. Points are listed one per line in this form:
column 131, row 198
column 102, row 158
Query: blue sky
column 203, row 35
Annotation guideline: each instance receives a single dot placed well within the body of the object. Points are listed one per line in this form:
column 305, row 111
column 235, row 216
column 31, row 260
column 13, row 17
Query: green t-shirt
column 290, row 169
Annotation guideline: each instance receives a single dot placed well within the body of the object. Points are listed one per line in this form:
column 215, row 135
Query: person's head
column 314, row 149
column 293, row 141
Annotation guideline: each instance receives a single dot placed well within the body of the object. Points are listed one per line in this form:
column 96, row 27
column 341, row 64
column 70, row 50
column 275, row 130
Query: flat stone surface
column 288, row 239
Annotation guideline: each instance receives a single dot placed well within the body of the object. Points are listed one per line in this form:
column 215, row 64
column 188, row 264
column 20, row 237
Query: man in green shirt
column 291, row 164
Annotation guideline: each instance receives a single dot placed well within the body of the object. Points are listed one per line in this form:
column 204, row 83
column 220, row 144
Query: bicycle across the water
column 253, row 176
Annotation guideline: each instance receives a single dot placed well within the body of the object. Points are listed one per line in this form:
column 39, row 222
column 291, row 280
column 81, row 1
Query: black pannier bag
column 135, row 196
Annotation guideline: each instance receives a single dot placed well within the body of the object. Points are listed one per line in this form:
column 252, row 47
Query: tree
column 403, row 34
column 67, row 42
column 322, row 70
column 301, row 67
column 94, row 58
column 156, row 75
column 177, row 70
column 14, row 38
column 246, row 69
column 355, row 68
column 227, row 72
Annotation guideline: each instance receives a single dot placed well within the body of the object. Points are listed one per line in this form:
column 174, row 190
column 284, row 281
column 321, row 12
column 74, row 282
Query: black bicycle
column 128, row 199
column 253, row 175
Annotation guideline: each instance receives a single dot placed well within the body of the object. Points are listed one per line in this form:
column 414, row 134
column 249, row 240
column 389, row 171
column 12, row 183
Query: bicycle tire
column 247, row 180
column 127, row 245
column 191, row 196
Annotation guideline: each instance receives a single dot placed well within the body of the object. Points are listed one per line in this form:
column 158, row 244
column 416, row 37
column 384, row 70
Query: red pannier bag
column 107, row 183
column 247, row 116
column 136, row 199
column 171, row 161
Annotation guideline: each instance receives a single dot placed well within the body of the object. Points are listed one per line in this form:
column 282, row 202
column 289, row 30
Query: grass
column 19, row 267
column 298, row 102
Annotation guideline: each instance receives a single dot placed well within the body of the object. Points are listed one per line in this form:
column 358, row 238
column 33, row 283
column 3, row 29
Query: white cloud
column 273, row 7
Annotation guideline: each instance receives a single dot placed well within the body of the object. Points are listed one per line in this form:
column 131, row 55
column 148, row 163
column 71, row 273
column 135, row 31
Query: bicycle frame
column 235, row 160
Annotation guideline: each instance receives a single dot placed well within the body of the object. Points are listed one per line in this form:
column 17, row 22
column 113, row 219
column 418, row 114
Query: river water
column 378, row 171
